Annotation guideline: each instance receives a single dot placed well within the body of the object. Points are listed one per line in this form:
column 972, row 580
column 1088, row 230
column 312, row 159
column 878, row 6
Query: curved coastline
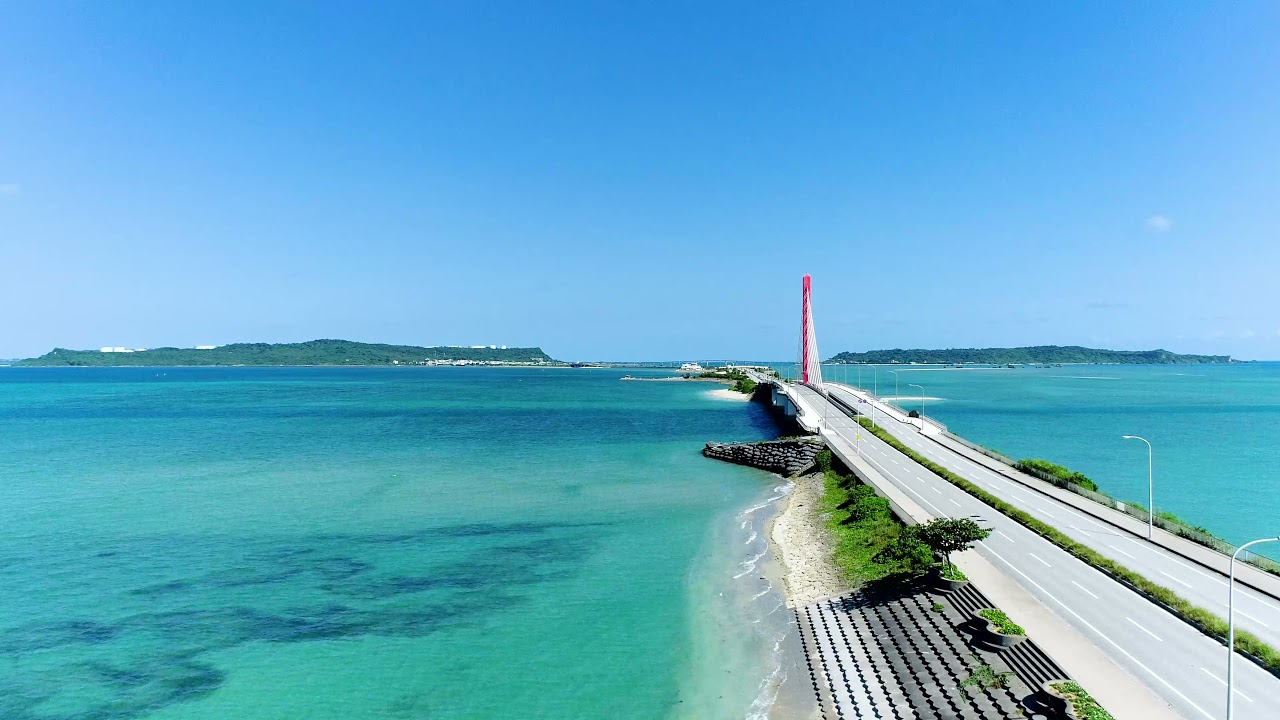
column 799, row 539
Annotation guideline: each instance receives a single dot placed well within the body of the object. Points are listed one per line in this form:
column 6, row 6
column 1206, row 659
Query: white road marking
column 1082, row 517
column 1251, row 617
column 1224, row 684
column 953, row 502
column 1114, row 644
column 1175, row 579
column 1157, row 637
column 914, row 442
column 1006, row 537
column 1086, row 591
column 1040, row 559
column 936, row 490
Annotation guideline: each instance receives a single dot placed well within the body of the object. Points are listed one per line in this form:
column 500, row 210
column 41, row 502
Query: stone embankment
column 785, row 457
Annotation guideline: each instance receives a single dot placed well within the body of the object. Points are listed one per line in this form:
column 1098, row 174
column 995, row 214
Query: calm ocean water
column 1215, row 429
column 379, row 543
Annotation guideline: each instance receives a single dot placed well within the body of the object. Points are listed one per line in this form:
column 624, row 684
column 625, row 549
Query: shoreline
column 802, row 546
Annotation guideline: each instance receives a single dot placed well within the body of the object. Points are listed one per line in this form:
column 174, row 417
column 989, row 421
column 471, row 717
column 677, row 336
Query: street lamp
column 1231, row 621
column 895, row 385
column 921, row 405
column 1151, row 489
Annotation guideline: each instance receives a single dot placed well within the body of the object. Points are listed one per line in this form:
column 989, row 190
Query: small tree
column 945, row 536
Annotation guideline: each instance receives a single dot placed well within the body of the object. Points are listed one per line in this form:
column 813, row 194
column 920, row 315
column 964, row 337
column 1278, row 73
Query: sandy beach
column 727, row 394
column 802, row 544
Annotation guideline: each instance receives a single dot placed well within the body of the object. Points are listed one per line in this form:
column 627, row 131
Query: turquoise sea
column 380, row 543
column 1215, row 429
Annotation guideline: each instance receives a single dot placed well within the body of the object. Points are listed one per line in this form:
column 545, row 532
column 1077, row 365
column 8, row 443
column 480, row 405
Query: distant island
column 314, row 352
column 1037, row 355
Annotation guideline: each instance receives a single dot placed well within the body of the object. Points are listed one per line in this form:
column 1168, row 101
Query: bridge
column 1139, row 659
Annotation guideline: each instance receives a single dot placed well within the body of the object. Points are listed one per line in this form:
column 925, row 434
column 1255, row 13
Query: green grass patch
column 868, row 539
column 1203, row 620
column 1058, row 471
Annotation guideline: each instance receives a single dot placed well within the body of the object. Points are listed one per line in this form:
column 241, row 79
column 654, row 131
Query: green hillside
column 314, row 352
column 1039, row 354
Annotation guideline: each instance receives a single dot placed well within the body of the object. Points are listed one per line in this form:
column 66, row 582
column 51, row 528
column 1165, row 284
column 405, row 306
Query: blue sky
column 641, row 180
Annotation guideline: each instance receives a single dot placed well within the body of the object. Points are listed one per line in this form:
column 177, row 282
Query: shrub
column 870, row 543
column 823, row 460
column 1002, row 622
column 985, row 676
column 1058, row 471
column 908, row 553
column 1084, row 704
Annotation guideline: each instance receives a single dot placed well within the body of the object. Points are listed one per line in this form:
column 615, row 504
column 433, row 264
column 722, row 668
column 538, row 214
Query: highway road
column 1255, row 611
column 1174, row 659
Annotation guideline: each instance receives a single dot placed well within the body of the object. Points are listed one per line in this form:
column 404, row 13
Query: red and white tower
column 810, row 363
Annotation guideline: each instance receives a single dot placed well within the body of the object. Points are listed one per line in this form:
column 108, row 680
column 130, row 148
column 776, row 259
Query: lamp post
column 921, row 405
column 1151, row 489
column 875, row 381
column 1231, row 621
column 895, row 385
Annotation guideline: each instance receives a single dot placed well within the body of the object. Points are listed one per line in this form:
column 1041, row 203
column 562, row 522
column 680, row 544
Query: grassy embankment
column 867, row 535
column 1204, row 620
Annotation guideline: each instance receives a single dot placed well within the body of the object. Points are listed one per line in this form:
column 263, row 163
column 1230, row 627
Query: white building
column 206, row 347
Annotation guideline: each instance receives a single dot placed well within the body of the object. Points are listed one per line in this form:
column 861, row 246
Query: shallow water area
column 374, row 542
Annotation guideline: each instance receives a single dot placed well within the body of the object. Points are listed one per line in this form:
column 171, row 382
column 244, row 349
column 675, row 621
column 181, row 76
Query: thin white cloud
column 1159, row 224
column 1247, row 334
column 10, row 189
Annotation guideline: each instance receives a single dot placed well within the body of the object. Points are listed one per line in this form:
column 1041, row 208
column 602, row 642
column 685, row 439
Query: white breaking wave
column 781, row 492
column 763, row 592
column 754, row 535
column 770, row 686
column 750, row 565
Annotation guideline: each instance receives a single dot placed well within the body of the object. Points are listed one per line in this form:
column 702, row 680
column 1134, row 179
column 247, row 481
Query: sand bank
column 802, row 544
